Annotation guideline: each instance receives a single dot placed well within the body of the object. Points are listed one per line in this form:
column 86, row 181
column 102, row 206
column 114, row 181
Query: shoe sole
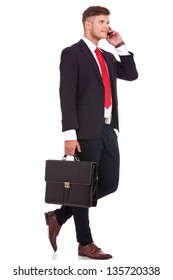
column 83, row 255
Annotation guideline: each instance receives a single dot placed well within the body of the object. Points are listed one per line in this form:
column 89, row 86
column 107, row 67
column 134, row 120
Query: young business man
column 89, row 105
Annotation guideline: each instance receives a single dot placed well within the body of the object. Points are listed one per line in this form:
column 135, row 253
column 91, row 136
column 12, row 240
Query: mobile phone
column 110, row 34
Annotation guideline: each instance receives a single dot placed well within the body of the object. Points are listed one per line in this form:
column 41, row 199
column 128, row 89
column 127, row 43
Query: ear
column 87, row 25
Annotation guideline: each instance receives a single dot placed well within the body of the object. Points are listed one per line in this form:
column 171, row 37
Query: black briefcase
column 72, row 183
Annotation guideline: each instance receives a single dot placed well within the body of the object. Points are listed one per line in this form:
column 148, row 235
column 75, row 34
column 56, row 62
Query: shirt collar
column 90, row 45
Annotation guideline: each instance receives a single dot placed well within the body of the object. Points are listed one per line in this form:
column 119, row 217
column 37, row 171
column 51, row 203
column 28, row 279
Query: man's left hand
column 115, row 38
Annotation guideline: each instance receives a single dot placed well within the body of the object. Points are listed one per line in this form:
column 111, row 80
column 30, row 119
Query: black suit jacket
column 82, row 90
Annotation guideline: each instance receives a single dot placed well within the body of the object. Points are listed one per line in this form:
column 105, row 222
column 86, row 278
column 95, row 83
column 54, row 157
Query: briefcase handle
column 76, row 158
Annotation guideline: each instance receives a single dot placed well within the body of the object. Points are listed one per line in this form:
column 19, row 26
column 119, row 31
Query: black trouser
column 105, row 151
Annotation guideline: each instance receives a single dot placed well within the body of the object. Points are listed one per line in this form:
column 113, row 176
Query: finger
column 69, row 152
column 78, row 148
column 72, row 153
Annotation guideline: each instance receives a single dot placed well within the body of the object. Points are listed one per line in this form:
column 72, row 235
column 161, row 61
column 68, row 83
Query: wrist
column 119, row 44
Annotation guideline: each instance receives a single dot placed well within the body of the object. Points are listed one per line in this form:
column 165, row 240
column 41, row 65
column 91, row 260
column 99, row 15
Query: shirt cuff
column 122, row 50
column 70, row 135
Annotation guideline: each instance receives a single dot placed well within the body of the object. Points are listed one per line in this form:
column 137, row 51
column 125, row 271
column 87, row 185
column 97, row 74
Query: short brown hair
column 94, row 11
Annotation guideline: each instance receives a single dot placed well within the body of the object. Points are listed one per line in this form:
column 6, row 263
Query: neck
column 92, row 39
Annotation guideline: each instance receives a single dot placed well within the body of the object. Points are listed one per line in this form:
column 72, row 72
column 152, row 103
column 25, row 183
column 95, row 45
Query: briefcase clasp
column 66, row 185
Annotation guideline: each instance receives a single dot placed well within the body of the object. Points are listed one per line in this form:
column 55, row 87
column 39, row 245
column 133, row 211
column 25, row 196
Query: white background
column 135, row 223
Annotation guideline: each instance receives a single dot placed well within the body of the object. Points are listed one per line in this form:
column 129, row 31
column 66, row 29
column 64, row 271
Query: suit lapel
column 90, row 56
column 84, row 48
column 107, row 60
column 110, row 67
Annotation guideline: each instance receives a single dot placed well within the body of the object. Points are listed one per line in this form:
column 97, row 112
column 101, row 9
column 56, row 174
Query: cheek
column 94, row 31
column 97, row 31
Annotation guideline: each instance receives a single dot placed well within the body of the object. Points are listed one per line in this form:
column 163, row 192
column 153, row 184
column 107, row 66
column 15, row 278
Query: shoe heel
column 47, row 218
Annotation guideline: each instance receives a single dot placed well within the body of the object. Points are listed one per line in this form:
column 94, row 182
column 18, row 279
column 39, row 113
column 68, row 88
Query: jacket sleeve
column 68, row 89
column 126, row 68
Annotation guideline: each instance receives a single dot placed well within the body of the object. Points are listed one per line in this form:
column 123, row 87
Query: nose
column 107, row 26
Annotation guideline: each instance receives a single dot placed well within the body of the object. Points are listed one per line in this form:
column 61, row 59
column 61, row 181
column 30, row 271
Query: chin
column 104, row 36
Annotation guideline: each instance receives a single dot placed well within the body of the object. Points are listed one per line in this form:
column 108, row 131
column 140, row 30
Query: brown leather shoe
column 93, row 252
column 54, row 228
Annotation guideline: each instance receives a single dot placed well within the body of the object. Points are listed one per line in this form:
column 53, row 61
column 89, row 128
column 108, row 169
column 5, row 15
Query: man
column 89, row 107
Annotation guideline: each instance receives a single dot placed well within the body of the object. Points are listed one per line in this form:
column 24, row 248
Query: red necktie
column 105, row 78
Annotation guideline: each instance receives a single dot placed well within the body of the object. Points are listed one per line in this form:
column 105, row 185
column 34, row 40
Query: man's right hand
column 70, row 146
